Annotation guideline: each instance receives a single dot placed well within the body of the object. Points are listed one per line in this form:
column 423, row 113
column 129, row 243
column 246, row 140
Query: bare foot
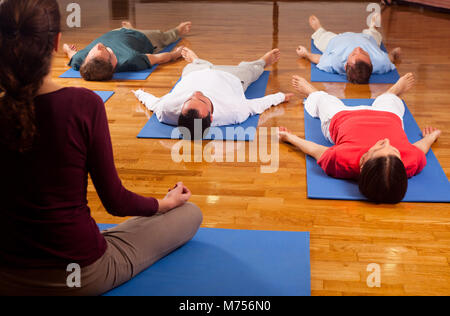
column 177, row 53
column 395, row 54
column 302, row 51
column 303, row 86
column 127, row 24
column 314, row 22
column 272, row 57
column 403, row 84
column 184, row 28
column 188, row 55
column 431, row 133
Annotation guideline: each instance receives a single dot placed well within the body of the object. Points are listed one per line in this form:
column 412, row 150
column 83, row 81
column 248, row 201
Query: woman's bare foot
column 403, row 84
column 272, row 57
column 127, row 24
column 395, row 54
column 302, row 51
column 184, row 28
column 314, row 22
column 188, row 55
column 431, row 133
column 303, row 86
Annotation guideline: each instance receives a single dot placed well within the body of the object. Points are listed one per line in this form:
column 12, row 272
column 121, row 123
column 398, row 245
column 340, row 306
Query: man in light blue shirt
column 357, row 55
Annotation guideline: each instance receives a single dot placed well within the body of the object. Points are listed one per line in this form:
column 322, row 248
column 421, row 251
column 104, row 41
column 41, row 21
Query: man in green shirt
column 125, row 49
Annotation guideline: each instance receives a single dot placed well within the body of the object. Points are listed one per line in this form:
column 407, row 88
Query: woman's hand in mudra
column 176, row 197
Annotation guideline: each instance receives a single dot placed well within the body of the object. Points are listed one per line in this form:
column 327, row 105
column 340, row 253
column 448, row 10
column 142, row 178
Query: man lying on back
column 125, row 49
column 213, row 94
column 357, row 55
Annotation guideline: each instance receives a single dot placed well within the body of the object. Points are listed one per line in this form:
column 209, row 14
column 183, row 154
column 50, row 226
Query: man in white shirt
column 213, row 94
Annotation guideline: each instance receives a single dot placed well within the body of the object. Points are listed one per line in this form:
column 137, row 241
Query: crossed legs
column 133, row 246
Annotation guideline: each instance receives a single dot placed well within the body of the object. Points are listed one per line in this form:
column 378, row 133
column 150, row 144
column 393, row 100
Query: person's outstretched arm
column 149, row 100
column 303, row 52
column 162, row 58
column 258, row 106
column 116, row 199
column 310, row 148
column 430, row 135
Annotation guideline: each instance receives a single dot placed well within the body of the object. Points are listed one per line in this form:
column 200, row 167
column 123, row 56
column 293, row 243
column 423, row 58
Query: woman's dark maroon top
column 44, row 213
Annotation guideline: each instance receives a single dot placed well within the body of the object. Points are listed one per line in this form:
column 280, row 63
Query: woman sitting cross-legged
column 370, row 143
column 51, row 138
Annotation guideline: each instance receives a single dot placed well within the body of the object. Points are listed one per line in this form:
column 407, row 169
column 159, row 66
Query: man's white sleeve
column 258, row 106
column 149, row 100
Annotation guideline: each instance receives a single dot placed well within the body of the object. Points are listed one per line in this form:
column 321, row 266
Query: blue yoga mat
column 225, row 262
column 318, row 75
column 431, row 185
column 136, row 75
column 240, row 132
column 105, row 95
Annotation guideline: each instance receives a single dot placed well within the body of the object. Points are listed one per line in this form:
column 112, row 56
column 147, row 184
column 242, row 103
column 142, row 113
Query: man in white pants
column 357, row 55
column 370, row 144
column 213, row 94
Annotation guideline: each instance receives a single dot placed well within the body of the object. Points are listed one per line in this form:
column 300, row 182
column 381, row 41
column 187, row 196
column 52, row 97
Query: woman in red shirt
column 370, row 144
column 51, row 137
